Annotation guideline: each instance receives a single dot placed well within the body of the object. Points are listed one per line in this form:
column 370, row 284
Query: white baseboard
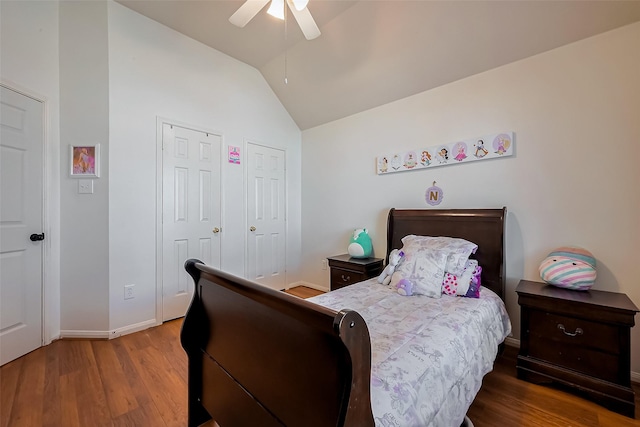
column 107, row 335
column 136, row 327
column 99, row 335
column 512, row 342
column 52, row 339
column 308, row 285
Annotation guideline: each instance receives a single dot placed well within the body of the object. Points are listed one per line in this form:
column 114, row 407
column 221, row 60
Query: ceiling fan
column 298, row 8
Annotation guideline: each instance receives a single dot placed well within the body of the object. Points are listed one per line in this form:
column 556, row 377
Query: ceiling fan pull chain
column 286, row 48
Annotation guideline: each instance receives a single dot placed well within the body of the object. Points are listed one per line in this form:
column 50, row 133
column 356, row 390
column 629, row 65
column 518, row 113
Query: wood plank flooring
column 304, row 292
column 140, row 380
column 504, row 400
column 135, row 380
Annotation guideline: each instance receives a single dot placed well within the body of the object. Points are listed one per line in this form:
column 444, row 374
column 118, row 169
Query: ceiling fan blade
column 305, row 21
column 246, row 12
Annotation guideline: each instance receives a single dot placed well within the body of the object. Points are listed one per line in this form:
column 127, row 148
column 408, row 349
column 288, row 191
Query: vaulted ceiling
column 372, row 52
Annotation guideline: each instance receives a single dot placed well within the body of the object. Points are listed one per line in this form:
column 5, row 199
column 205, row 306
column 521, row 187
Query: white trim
column 244, row 162
column 47, row 277
column 84, row 334
column 307, row 285
column 136, row 327
column 107, row 335
column 159, row 122
column 223, row 174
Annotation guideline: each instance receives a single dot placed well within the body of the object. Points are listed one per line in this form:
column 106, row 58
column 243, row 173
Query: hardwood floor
column 140, row 380
column 505, row 400
column 135, row 380
column 303, row 292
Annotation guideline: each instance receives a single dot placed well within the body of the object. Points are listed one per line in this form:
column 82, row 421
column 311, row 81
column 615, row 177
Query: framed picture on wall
column 84, row 161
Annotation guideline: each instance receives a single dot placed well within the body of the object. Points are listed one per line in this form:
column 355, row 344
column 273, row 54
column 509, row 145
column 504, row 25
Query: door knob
column 216, row 230
column 35, row 237
column 252, row 228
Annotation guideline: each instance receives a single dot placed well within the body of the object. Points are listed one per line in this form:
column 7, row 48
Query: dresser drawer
column 341, row 278
column 570, row 331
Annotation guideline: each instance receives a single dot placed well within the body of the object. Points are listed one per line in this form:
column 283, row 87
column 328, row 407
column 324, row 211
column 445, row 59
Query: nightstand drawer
column 346, row 270
column 574, row 332
column 341, row 278
column 580, row 359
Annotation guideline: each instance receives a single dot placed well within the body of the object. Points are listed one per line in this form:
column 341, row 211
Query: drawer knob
column 578, row 331
column 346, row 279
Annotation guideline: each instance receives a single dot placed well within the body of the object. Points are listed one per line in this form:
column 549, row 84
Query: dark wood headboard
column 484, row 227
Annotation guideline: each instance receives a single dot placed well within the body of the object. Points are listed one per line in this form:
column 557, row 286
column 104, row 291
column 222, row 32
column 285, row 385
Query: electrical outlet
column 128, row 291
column 324, row 264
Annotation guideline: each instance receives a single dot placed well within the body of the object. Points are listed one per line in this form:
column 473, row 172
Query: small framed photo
column 84, row 161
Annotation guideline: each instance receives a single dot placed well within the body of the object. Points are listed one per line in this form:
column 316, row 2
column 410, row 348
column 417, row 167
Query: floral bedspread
column 429, row 355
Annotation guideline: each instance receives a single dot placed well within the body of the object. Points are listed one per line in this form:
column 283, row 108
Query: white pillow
column 424, row 268
column 458, row 250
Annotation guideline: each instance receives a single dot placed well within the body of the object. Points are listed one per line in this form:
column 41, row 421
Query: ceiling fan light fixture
column 300, row 4
column 250, row 9
column 276, row 9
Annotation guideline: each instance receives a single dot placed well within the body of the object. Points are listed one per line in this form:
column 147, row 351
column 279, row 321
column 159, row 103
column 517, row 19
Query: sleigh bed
column 360, row 356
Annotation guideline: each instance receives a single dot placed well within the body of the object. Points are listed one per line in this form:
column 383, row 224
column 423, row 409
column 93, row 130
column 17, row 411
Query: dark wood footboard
column 259, row 357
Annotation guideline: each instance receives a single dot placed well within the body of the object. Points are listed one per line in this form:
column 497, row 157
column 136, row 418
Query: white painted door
column 266, row 241
column 21, row 215
column 191, row 211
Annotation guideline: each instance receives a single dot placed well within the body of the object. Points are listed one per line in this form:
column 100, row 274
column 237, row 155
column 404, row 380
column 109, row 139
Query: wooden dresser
column 346, row 270
column 580, row 339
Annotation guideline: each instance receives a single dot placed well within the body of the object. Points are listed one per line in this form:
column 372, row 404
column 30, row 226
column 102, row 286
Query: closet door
column 191, row 211
column 266, row 203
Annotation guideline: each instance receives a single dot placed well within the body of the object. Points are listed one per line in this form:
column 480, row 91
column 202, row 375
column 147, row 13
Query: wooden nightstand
column 346, row 271
column 580, row 339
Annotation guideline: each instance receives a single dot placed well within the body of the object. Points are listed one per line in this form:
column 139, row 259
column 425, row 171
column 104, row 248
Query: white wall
column 29, row 62
column 84, row 120
column 573, row 180
column 157, row 72
column 106, row 74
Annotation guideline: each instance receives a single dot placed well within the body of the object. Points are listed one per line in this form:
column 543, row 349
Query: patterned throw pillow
column 458, row 250
column 450, row 284
column 467, row 283
column 424, row 268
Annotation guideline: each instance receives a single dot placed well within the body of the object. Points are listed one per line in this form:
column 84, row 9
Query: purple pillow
column 474, row 285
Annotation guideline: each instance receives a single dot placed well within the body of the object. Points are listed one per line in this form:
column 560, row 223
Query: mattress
column 429, row 355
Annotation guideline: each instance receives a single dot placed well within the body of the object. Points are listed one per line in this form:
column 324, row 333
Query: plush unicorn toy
column 360, row 244
column 395, row 257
